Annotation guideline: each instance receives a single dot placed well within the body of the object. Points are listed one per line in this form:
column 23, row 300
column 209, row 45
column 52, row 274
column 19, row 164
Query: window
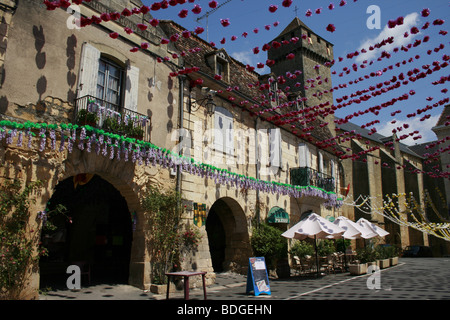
column 103, row 79
column 109, row 84
column 223, row 135
column 220, row 68
column 218, row 61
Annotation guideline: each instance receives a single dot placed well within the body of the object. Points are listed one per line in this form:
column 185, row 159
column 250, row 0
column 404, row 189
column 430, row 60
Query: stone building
column 56, row 73
column 178, row 113
column 245, row 137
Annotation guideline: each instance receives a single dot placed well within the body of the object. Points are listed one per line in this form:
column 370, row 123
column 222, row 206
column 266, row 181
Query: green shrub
column 367, row 254
column 19, row 236
column 325, row 247
column 268, row 242
column 301, row 249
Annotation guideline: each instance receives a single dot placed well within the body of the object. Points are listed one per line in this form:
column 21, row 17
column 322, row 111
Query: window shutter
column 303, row 155
column 218, row 131
column 87, row 78
column 131, row 88
column 275, row 147
column 332, row 168
column 223, row 133
column 320, row 162
column 229, row 136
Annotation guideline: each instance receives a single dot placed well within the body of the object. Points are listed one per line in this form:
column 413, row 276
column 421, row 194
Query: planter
column 373, row 263
column 357, row 269
column 394, row 261
column 162, row 288
column 384, row 263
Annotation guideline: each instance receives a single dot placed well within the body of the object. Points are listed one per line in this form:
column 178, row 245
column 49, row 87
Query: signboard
column 199, row 214
column 278, row 215
column 257, row 278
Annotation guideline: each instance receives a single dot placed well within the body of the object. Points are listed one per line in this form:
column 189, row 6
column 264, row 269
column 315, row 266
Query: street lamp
column 209, row 98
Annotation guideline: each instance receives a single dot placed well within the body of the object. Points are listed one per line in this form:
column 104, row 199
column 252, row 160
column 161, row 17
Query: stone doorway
column 228, row 236
column 97, row 229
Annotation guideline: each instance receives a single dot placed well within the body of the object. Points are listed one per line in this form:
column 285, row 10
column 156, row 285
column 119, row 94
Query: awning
column 278, row 215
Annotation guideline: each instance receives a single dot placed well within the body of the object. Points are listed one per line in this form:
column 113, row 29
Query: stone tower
column 303, row 50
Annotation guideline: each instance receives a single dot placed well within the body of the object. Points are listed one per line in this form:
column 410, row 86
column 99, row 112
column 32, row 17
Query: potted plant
column 392, row 253
column 365, row 257
column 111, row 125
column 87, row 118
column 383, row 256
column 135, row 132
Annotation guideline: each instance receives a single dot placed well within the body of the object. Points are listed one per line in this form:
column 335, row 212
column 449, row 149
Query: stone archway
column 96, row 230
column 130, row 180
column 228, row 237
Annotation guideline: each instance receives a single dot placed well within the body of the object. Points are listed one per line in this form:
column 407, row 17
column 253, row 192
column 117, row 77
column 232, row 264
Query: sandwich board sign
column 257, row 278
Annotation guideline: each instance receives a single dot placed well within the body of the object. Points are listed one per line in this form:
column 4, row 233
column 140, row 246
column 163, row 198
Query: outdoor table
column 186, row 275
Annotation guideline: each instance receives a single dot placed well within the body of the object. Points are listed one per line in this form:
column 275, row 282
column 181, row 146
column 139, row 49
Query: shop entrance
column 228, row 237
column 95, row 231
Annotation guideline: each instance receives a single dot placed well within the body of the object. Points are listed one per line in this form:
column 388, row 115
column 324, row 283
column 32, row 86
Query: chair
column 297, row 265
column 338, row 263
column 326, row 263
column 307, row 263
column 85, row 269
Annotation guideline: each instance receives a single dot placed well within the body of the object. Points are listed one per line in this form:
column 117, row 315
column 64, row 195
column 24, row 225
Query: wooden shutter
column 87, row 78
column 223, row 134
column 275, row 147
column 131, row 88
column 304, row 157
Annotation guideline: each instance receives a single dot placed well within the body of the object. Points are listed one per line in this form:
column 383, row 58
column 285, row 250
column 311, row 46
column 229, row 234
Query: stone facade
column 52, row 58
column 238, row 174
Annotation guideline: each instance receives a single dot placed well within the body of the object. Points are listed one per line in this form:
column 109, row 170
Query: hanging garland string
column 121, row 147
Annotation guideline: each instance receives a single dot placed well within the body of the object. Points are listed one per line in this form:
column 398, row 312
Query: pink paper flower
column 199, row 30
column 331, row 28
column 425, row 12
column 213, row 4
column 142, row 26
column 183, row 13
column 197, row 9
column 154, row 22
column 225, row 22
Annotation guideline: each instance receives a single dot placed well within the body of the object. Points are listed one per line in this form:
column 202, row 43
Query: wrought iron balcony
column 112, row 118
column 306, row 176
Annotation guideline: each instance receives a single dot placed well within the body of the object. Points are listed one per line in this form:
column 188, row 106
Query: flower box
column 394, row 261
column 357, row 269
column 384, row 263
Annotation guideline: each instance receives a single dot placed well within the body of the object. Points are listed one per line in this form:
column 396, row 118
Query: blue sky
column 351, row 34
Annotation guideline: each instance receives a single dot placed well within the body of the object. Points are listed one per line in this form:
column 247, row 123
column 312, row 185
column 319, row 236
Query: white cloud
column 424, row 128
column 398, row 33
column 244, row 56
column 248, row 57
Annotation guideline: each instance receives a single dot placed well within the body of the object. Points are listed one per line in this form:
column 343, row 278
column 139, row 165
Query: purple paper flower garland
column 98, row 141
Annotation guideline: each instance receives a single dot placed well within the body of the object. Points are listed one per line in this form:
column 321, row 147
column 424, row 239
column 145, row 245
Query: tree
column 168, row 238
column 267, row 242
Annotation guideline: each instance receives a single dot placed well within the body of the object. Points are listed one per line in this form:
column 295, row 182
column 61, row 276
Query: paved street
column 411, row 279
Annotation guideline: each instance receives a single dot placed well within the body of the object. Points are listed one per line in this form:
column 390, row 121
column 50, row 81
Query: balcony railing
column 112, row 118
column 309, row 177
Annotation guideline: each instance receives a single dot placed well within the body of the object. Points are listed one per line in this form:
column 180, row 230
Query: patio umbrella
column 372, row 227
column 315, row 227
column 352, row 231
